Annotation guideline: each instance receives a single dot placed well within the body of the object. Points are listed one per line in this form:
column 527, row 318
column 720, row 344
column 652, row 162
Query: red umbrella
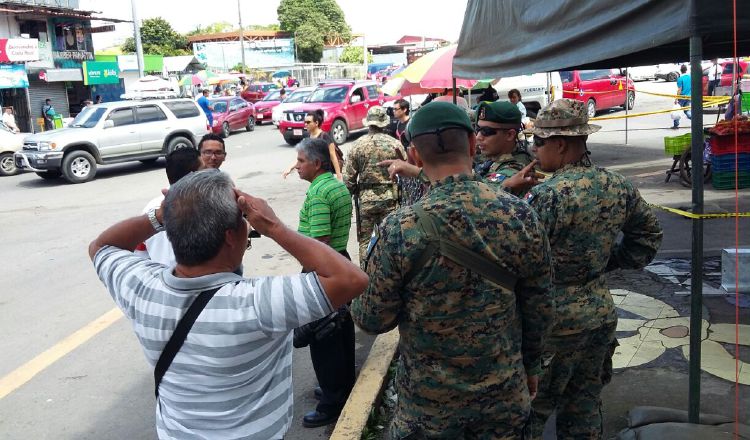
column 433, row 72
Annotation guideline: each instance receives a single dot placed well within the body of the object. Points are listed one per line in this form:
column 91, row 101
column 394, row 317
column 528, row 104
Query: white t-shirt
column 157, row 248
column 232, row 378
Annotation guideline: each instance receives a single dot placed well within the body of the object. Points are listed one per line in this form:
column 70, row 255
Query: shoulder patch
column 529, row 197
column 496, row 177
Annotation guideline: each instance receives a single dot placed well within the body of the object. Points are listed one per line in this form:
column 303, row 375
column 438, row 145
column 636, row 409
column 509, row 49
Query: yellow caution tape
column 689, row 214
column 656, row 112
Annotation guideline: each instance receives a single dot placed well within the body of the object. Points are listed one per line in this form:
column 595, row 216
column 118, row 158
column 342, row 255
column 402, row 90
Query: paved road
column 93, row 383
column 102, row 387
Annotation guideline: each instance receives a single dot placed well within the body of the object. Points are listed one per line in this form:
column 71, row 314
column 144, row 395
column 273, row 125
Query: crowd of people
column 494, row 274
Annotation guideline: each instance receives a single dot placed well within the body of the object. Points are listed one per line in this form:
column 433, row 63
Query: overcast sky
column 382, row 21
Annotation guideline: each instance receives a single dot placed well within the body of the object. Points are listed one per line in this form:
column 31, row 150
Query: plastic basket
column 729, row 182
column 727, row 163
column 725, row 144
column 745, row 102
column 676, row 145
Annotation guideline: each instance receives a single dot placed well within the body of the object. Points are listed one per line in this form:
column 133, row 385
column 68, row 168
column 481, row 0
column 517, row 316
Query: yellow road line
column 27, row 371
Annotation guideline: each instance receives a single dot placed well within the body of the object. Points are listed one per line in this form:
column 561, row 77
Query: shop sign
column 76, row 55
column 56, row 75
column 13, row 76
column 100, row 72
column 14, row 50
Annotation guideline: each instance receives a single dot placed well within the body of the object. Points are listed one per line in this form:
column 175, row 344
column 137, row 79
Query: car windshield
column 272, row 96
column 566, row 76
column 329, row 94
column 298, row 96
column 219, row 106
column 88, row 117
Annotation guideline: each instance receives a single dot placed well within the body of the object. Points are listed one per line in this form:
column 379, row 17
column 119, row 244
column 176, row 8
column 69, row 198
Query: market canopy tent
column 514, row 37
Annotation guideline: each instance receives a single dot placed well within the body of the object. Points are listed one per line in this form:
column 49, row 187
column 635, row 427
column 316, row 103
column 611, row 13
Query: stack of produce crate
column 730, row 165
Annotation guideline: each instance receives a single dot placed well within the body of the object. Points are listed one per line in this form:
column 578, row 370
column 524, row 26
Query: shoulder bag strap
column 180, row 334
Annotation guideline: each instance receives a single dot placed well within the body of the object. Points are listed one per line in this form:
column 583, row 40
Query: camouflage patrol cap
column 504, row 113
column 564, row 117
column 437, row 116
column 377, row 116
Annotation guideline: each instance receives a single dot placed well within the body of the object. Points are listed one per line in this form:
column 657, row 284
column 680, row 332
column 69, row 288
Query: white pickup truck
column 537, row 89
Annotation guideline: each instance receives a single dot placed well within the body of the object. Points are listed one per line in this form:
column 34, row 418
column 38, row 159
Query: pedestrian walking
column 683, row 90
column 313, row 121
column 205, row 105
column 375, row 195
column 584, row 210
column 465, row 275
column 714, row 76
column 48, row 113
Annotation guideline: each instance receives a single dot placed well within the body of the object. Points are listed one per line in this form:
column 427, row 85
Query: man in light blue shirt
column 683, row 88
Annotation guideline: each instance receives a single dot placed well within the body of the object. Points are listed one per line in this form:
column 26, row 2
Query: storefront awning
column 50, row 11
column 57, row 75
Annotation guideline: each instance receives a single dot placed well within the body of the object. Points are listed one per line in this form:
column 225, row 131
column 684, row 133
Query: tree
column 353, row 54
column 213, row 28
column 158, row 37
column 312, row 21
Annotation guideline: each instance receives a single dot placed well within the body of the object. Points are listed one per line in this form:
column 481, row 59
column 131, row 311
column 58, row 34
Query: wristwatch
column 158, row 227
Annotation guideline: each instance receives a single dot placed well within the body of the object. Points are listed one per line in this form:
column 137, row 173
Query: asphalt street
column 72, row 369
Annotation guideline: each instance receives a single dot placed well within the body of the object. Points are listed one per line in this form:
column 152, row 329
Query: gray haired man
column 235, row 365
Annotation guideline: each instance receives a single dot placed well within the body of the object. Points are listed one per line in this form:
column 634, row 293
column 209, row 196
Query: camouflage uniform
column 466, row 343
column 377, row 194
column 495, row 169
column 583, row 209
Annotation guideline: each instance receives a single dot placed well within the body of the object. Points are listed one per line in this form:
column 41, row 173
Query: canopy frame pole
column 455, row 100
column 696, row 276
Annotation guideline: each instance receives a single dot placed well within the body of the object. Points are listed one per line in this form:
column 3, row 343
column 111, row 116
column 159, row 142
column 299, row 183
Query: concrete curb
column 366, row 391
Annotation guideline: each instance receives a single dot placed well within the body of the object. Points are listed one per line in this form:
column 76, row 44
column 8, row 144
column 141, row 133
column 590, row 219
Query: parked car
column 232, row 113
column 600, row 89
column 264, row 107
column 537, row 90
column 10, row 142
column 642, row 73
column 670, row 72
column 344, row 104
column 727, row 69
column 295, row 97
column 113, row 132
column 257, row 91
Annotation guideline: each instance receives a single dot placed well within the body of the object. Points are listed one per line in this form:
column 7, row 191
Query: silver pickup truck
column 113, row 132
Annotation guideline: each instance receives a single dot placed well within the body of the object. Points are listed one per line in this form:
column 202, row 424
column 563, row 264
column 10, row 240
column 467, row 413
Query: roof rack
column 336, row 81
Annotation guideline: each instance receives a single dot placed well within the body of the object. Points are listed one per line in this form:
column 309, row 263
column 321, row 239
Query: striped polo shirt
column 327, row 211
column 232, row 378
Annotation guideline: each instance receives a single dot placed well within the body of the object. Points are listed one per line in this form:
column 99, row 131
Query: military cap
column 502, row 112
column 377, row 116
column 564, row 117
column 437, row 116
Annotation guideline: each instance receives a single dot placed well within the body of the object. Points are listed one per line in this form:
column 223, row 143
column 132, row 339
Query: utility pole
column 364, row 53
column 138, row 46
column 242, row 40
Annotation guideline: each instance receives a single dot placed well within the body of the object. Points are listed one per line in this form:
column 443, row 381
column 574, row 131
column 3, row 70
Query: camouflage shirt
column 583, row 209
column 459, row 330
column 363, row 176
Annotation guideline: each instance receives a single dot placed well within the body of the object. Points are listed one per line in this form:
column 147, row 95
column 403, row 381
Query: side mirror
column 109, row 123
column 355, row 99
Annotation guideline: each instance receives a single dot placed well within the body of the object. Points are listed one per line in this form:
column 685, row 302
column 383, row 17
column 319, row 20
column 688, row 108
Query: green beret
column 438, row 115
column 501, row 112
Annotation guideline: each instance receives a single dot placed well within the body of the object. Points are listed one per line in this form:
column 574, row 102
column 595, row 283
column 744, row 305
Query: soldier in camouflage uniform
column 583, row 209
column 498, row 126
column 470, row 344
column 376, row 195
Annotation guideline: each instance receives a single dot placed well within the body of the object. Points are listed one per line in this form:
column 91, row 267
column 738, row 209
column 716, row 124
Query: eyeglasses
column 208, row 153
column 489, row 131
column 396, row 108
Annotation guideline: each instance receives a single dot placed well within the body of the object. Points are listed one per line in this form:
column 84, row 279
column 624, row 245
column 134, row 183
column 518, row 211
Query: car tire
column 630, row 103
column 49, row 175
column 178, row 142
column 225, row 130
column 591, row 108
column 339, row 131
column 672, row 77
column 78, row 167
column 250, row 126
column 291, row 140
column 7, row 165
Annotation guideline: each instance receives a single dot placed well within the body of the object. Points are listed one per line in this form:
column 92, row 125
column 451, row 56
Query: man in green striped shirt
column 326, row 215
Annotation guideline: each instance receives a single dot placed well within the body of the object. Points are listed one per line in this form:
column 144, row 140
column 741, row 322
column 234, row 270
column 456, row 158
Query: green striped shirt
column 327, row 211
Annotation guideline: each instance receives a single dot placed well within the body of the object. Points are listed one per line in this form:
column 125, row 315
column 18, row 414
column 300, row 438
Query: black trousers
column 333, row 361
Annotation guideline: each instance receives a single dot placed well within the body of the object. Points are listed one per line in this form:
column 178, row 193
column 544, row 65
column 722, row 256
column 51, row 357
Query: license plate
column 260, row 115
column 297, row 132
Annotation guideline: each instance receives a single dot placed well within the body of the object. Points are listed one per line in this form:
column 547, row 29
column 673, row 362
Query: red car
column 257, row 91
column 264, row 107
column 232, row 113
column 344, row 103
column 599, row 89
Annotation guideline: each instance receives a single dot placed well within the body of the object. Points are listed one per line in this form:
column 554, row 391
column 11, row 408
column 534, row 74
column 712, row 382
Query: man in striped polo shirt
column 231, row 379
column 326, row 216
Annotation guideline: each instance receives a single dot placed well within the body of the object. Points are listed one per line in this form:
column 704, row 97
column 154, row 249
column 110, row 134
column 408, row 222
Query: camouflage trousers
column 575, row 369
column 431, row 411
column 370, row 215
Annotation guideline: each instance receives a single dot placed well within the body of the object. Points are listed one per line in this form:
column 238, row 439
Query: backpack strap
column 180, row 334
column 457, row 253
